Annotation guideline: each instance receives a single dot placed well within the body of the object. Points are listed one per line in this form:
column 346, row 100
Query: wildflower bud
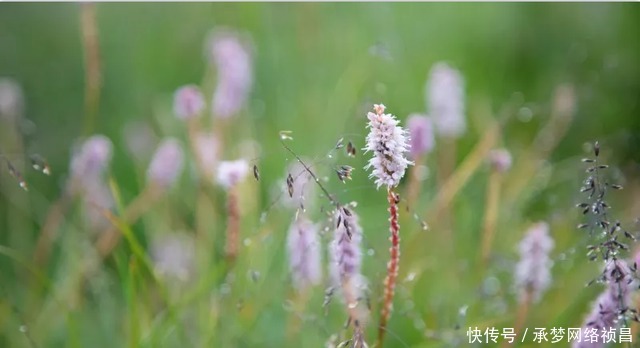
column 500, row 160
column 420, row 134
column 232, row 59
column 188, row 102
column 533, row 272
column 166, row 164
column 388, row 142
column 304, row 253
column 230, row 173
column 445, row 96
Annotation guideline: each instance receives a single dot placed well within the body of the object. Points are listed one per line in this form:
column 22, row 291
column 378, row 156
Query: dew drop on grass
column 525, row 114
column 410, row 277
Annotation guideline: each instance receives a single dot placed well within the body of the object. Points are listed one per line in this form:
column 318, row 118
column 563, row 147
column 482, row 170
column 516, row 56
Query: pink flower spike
column 188, row 102
column 303, row 247
column 445, row 99
column 166, row 165
column 420, row 134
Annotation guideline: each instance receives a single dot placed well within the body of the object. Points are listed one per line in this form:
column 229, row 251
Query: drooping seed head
column 230, row 173
column 231, row 56
column 421, row 135
column 167, row 163
column 445, row 98
column 301, row 185
column 188, row 102
column 388, row 142
column 533, row 272
column 303, row 246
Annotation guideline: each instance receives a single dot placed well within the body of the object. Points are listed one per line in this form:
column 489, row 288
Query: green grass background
column 314, row 75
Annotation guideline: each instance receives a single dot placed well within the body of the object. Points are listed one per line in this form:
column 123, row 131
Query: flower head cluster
column 445, row 96
column 421, row 135
column 533, row 272
column 230, row 173
column 388, row 142
column 188, row 102
column 166, row 164
column 304, row 253
column 233, row 61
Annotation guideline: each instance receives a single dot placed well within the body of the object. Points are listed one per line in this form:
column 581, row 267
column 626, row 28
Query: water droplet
column 410, row 277
column 525, row 114
column 370, row 252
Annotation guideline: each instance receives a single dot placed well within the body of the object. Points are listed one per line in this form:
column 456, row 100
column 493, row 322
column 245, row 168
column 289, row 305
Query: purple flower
column 388, row 142
column 233, row 61
column 607, row 309
column 533, row 272
column 420, row 134
column 304, row 253
column 91, row 159
column 166, row 164
column 445, row 96
column 188, row 102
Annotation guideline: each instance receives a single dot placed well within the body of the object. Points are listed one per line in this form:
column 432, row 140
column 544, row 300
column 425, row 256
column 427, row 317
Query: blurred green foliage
column 318, row 69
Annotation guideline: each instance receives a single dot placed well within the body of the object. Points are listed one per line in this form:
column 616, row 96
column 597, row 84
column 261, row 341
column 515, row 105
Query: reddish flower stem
column 233, row 225
column 392, row 266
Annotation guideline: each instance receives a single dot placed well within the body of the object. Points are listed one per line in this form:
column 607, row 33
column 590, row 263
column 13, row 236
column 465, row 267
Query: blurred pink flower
column 230, row 173
column 533, row 272
column 231, row 56
column 420, row 135
column 167, row 163
column 445, row 99
column 188, row 102
column 303, row 246
column 500, row 160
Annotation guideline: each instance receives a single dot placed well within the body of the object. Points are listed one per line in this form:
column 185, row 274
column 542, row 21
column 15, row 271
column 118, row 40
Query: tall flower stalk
column 388, row 142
